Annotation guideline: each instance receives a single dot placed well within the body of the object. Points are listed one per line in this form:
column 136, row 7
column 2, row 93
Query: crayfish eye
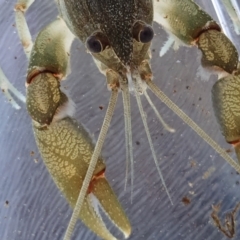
column 142, row 32
column 93, row 44
column 146, row 35
column 97, row 43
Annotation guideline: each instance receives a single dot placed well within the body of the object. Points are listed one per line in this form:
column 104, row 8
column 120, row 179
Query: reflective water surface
column 31, row 207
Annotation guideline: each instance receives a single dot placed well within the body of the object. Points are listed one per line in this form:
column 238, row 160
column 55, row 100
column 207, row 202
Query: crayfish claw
column 110, row 205
column 66, row 149
column 226, row 102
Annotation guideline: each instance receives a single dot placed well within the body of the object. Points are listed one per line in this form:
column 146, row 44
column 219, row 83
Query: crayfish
column 118, row 35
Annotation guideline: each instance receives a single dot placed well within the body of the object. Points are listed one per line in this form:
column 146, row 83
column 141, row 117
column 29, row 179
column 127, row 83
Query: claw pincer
column 64, row 144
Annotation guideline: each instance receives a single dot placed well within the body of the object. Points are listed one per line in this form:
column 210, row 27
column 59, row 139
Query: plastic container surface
column 31, row 207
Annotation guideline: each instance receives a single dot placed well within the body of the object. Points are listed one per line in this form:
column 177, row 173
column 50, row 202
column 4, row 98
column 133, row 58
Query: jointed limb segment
column 47, row 66
column 218, row 52
column 25, row 37
column 6, row 87
column 218, row 55
column 51, row 51
column 23, row 31
column 65, row 146
column 226, row 99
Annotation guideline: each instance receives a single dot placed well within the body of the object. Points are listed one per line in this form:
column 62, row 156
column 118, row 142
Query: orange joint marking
column 20, row 7
column 212, row 26
column 95, row 179
column 36, row 72
column 26, row 43
column 235, row 143
column 147, row 77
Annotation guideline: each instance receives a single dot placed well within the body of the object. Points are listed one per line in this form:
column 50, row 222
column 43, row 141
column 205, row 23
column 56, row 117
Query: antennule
column 165, row 125
column 137, row 82
column 192, row 124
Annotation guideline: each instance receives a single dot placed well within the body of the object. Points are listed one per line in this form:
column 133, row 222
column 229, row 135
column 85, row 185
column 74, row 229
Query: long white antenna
column 92, row 164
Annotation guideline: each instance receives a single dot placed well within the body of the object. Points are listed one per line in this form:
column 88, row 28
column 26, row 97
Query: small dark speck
column 15, row 57
column 153, row 50
column 193, row 163
column 200, row 99
column 187, row 87
column 137, row 142
column 228, row 150
column 237, row 182
column 186, row 201
column 7, row 203
column 101, row 107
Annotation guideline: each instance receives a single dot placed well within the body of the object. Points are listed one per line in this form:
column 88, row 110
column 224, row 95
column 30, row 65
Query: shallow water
column 31, row 207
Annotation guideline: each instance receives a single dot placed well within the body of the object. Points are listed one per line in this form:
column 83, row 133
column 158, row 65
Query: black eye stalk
column 142, row 32
column 97, row 42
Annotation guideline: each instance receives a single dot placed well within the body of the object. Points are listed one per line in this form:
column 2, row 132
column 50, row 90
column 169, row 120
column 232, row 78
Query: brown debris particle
column 229, row 150
column 186, row 200
column 209, row 173
column 229, row 228
column 193, row 163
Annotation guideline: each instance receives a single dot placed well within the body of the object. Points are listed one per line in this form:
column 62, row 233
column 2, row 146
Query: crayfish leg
column 22, row 27
column 7, row 88
column 183, row 19
column 194, row 27
column 226, row 105
column 218, row 52
column 66, row 149
column 64, row 144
